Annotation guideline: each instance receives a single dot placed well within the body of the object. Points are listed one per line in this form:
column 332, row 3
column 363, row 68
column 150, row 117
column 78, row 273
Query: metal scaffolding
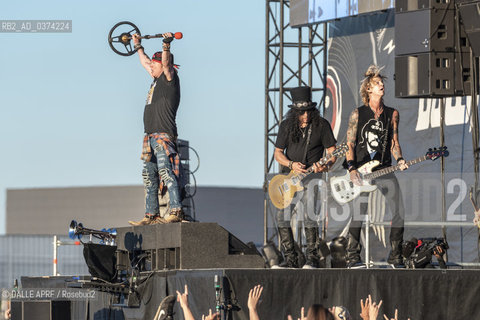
column 290, row 61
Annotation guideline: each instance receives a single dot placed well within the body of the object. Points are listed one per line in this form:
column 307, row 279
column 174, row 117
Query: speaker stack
column 470, row 17
column 432, row 52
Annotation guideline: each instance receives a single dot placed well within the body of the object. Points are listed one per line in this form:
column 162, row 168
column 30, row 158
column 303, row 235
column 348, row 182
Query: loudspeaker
column 41, row 310
column 424, row 31
column 470, row 18
column 412, row 5
column 432, row 74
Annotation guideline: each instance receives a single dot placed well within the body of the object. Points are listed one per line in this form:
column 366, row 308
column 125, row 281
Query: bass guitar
column 344, row 190
column 282, row 188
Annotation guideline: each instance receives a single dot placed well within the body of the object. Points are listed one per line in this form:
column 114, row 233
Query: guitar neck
column 310, row 170
column 391, row 169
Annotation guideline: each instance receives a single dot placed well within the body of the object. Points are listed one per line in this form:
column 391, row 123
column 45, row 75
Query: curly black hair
column 293, row 126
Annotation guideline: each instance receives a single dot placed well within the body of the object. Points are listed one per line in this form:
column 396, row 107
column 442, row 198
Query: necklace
column 377, row 112
column 303, row 130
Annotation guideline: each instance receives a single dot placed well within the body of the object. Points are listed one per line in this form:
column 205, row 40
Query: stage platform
column 418, row 294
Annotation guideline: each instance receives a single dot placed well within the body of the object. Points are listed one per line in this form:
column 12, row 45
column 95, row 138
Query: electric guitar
column 344, row 190
column 282, row 188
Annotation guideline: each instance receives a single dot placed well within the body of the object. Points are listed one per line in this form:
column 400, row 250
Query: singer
column 161, row 166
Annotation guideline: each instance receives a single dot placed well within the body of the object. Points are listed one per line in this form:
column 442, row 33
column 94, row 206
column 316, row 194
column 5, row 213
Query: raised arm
column 183, row 299
column 144, row 59
column 166, row 59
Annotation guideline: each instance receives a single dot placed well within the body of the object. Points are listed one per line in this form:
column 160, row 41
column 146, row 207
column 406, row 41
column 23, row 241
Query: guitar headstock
column 435, row 153
column 340, row 151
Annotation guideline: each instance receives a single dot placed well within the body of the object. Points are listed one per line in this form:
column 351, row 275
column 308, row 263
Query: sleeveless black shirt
column 162, row 105
column 374, row 137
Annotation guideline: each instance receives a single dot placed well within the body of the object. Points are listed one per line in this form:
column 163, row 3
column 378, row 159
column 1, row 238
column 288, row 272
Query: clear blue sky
column 71, row 109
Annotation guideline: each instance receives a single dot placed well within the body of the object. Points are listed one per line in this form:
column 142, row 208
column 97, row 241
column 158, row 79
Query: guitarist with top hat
column 373, row 135
column 302, row 138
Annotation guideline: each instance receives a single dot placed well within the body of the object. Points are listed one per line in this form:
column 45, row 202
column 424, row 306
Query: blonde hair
column 372, row 72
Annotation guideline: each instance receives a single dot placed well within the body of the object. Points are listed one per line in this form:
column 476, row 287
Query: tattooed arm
column 396, row 149
column 351, row 142
column 352, row 135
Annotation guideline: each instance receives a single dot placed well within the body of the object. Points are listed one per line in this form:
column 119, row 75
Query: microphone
column 176, row 35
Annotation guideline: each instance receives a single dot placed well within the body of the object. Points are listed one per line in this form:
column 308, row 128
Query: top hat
column 302, row 99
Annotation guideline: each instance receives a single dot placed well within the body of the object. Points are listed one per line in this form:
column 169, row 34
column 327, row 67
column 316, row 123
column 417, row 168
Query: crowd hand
column 370, row 308
column 403, row 165
column 373, row 308
column 365, row 308
column 298, row 167
column 337, row 314
column 302, row 315
column 167, row 37
column 182, row 298
column 396, row 316
column 355, row 177
column 254, row 297
column 136, row 39
column 214, row 316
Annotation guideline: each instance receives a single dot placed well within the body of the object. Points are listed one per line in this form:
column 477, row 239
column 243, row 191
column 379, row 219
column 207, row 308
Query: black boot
column 288, row 247
column 311, row 235
column 395, row 257
column 353, row 252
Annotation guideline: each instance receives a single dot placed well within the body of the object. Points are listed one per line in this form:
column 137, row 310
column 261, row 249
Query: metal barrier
column 57, row 243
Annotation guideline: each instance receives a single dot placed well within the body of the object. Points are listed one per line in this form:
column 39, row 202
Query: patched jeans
column 159, row 167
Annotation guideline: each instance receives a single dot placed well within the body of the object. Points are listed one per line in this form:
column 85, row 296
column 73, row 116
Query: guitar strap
column 304, row 160
column 385, row 137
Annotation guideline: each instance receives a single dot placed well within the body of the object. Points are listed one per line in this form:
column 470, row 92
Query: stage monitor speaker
column 412, row 5
column 424, row 31
column 432, row 74
column 470, row 18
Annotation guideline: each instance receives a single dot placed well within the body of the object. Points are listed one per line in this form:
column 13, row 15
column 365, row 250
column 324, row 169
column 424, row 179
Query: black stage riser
column 188, row 246
column 418, row 294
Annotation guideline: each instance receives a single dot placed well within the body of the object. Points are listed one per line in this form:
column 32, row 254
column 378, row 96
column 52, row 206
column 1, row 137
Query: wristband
column 138, row 46
column 290, row 164
column 167, row 40
column 351, row 168
column 400, row 159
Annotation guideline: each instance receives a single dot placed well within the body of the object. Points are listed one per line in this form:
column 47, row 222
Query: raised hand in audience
column 182, row 298
column 214, row 316
column 396, row 316
column 253, row 300
column 302, row 315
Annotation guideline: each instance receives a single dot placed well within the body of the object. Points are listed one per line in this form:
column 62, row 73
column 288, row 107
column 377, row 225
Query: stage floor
column 418, row 294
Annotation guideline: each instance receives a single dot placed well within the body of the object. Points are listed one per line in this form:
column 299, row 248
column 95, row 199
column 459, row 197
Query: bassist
column 301, row 141
column 373, row 135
